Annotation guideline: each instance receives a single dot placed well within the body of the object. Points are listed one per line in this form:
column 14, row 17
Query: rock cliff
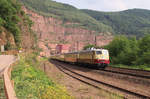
column 51, row 31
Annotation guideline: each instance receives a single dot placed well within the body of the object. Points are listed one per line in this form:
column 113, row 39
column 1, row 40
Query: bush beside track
column 130, row 52
column 32, row 83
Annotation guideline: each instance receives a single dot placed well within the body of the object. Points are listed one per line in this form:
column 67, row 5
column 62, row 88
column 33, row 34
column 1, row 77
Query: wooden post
column 77, row 45
column 44, row 68
column 2, row 48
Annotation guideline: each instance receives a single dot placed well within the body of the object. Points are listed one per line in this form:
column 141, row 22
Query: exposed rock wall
column 52, row 31
column 27, row 37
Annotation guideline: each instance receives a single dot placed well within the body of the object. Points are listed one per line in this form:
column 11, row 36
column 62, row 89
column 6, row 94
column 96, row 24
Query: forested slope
column 128, row 22
column 67, row 13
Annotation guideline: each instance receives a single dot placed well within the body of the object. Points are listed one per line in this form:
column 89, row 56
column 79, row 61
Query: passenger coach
column 93, row 57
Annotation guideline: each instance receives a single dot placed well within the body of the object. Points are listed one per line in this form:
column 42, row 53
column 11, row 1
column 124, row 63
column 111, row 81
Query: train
column 94, row 57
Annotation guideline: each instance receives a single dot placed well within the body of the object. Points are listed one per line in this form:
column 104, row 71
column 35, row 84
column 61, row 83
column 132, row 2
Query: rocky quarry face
column 51, row 31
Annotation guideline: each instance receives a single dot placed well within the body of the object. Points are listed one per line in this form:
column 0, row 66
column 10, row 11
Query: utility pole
column 95, row 41
column 77, row 45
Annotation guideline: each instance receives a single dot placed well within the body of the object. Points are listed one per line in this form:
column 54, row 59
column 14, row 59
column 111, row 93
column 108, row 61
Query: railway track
column 132, row 72
column 96, row 83
column 132, row 78
column 140, row 70
column 124, row 73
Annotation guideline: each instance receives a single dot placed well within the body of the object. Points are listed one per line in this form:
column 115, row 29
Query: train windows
column 98, row 52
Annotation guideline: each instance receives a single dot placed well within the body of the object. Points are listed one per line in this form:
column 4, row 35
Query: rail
column 101, row 82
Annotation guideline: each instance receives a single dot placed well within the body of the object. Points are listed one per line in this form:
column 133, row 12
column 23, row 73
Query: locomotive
column 92, row 57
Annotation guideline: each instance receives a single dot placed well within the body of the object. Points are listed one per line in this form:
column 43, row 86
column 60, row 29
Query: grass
column 141, row 67
column 32, row 83
column 2, row 91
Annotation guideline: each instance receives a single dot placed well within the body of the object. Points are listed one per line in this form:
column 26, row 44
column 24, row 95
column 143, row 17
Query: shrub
column 9, row 18
column 32, row 83
column 123, row 50
column 129, row 51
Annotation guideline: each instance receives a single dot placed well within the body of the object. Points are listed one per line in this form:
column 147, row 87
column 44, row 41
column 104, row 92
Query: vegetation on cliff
column 9, row 10
column 11, row 20
column 66, row 13
column 128, row 22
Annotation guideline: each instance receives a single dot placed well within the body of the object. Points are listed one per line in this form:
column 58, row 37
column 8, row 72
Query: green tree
column 123, row 50
column 144, row 50
column 9, row 11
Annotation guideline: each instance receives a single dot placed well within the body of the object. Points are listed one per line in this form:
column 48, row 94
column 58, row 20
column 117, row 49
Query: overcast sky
column 108, row 5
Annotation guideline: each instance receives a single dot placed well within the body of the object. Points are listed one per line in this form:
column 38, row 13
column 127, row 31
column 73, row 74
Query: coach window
column 98, row 52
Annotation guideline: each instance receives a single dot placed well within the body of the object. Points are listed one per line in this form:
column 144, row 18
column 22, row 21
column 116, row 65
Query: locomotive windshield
column 105, row 52
column 98, row 52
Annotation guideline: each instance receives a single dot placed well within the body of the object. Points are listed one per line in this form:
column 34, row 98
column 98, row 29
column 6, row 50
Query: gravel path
column 114, row 79
column 6, row 60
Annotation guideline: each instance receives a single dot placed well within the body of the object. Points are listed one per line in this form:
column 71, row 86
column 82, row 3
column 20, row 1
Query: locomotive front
column 102, row 58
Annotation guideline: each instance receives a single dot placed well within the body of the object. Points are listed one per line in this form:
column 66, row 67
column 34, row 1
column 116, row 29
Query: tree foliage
column 129, row 51
column 144, row 52
column 128, row 22
column 9, row 19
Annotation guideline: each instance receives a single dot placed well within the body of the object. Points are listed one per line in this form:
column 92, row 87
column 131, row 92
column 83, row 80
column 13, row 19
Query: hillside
column 128, row 22
column 57, row 23
column 15, row 26
column 66, row 13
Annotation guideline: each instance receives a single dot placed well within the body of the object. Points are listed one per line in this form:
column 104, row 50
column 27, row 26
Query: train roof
column 72, row 53
column 93, row 50
column 89, row 50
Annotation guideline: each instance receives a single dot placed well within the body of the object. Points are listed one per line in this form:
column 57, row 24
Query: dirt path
column 6, row 60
